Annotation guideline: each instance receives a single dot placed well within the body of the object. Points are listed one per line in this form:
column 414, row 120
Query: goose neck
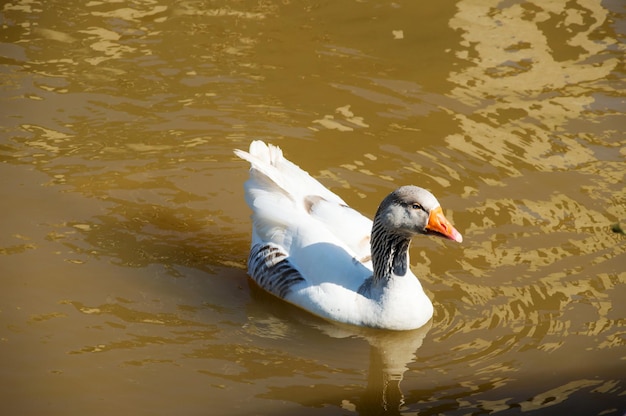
column 390, row 254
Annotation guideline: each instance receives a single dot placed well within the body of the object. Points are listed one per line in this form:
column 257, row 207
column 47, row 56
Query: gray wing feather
column 269, row 267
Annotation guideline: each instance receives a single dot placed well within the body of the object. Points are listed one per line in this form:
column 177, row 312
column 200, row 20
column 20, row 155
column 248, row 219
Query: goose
column 314, row 251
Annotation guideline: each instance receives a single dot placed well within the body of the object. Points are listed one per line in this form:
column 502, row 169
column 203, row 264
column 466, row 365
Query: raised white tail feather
column 269, row 162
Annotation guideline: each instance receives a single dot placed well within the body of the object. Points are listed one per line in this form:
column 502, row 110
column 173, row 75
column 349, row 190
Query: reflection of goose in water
column 311, row 249
column 390, row 354
column 336, row 347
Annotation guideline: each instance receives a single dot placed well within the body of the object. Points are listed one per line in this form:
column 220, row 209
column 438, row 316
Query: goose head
column 411, row 210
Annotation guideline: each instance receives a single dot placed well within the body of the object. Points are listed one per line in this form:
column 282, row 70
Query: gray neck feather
column 389, row 252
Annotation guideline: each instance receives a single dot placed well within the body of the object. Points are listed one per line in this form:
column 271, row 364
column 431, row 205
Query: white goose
column 312, row 250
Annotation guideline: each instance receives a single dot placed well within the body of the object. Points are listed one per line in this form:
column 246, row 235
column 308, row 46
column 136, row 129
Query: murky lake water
column 124, row 233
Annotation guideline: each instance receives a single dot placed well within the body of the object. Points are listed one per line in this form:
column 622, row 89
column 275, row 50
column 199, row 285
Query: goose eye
column 416, row 206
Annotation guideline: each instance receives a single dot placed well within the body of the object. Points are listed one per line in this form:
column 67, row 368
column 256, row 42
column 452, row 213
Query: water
column 125, row 235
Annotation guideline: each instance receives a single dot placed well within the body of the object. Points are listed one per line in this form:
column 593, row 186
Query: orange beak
column 439, row 225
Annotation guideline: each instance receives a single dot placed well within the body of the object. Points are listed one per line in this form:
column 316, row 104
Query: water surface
column 124, row 234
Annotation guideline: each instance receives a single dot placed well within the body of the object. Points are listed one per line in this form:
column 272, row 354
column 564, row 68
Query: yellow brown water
column 124, row 233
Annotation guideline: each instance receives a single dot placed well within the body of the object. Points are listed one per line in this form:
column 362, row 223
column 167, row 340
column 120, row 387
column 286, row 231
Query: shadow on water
column 174, row 257
column 137, row 234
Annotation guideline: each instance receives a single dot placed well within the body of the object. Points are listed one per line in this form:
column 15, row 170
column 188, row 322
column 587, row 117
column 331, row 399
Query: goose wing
column 288, row 203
